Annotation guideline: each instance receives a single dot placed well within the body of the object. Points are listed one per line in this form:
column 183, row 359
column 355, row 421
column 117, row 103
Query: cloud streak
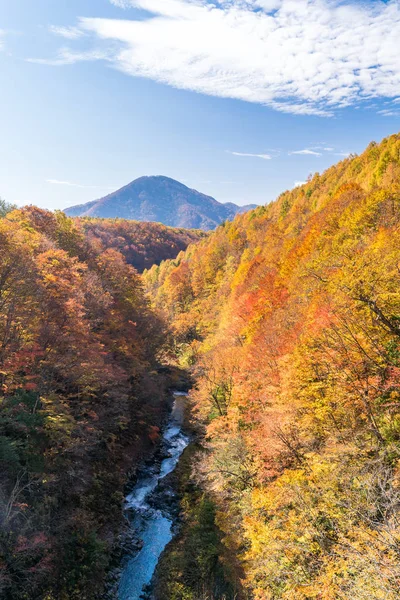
column 389, row 113
column 306, row 152
column 121, row 3
column 66, row 56
column 2, row 43
column 70, row 33
column 247, row 154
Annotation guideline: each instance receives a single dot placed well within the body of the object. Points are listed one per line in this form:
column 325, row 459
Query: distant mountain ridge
column 161, row 199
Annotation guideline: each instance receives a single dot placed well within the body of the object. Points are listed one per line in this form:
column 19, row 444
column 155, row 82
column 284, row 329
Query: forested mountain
column 290, row 317
column 80, row 399
column 163, row 200
column 142, row 244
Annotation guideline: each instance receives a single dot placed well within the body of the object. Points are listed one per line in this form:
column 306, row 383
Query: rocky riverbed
column 151, row 510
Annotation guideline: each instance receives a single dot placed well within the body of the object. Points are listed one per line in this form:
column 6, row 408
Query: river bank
column 151, row 508
column 171, row 547
column 195, row 564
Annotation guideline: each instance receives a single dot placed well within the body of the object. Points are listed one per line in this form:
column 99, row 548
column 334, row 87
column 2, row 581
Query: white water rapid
column 152, row 524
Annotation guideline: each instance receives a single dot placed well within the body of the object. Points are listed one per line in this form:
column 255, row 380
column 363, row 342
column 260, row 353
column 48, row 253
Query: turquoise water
column 153, row 526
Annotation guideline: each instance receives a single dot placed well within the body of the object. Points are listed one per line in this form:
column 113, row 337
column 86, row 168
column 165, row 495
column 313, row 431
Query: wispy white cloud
column 66, row 56
column 344, row 154
column 299, row 183
column 389, row 112
column 307, row 152
column 71, row 33
column 2, row 41
column 78, row 185
column 121, row 3
column 248, row 154
column 301, row 56
column 298, row 56
column 316, row 150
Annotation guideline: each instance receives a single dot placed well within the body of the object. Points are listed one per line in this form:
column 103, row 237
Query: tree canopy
column 290, row 317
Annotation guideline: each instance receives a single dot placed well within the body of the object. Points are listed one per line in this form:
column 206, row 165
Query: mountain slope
column 163, row 200
column 291, row 316
column 80, row 401
column 142, row 244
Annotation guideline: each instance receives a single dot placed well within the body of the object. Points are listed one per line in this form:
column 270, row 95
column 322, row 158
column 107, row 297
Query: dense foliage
column 79, row 397
column 196, row 563
column 5, row 208
column 290, row 316
column 142, row 244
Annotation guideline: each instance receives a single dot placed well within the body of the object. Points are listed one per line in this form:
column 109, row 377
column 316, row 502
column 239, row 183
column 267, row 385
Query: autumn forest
column 285, row 325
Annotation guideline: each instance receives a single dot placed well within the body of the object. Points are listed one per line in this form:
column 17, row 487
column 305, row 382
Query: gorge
column 287, row 321
column 151, row 517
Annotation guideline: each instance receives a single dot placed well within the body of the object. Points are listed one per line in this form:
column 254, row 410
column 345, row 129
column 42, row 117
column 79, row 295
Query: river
column 148, row 511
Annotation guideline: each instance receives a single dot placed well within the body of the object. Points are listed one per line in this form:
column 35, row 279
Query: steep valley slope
column 289, row 317
column 82, row 396
column 142, row 244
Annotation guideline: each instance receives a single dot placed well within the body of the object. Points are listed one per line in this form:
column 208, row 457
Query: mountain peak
column 162, row 199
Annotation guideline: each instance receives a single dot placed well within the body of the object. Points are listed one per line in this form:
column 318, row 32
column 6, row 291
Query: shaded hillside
column 290, row 317
column 163, row 200
column 142, row 244
column 80, row 402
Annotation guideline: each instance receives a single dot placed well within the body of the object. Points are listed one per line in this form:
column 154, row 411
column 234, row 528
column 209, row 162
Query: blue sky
column 240, row 99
